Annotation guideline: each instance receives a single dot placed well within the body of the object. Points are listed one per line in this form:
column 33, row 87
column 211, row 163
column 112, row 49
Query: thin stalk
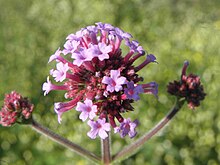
column 131, row 149
column 64, row 142
column 106, row 153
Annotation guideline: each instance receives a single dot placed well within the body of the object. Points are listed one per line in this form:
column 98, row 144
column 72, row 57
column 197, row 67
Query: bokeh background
column 31, row 30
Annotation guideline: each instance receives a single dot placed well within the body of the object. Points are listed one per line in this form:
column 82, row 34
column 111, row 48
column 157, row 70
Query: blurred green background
column 31, row 30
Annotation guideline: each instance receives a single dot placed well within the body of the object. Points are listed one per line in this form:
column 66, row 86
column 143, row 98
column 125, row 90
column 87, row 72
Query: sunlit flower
column 127, row 127
column 114, row 82
column 100, row 78
column 101, row 51
column 60, row 73
column 56, row 55
column 99, row 127
column 88, row 110
column 48, row 86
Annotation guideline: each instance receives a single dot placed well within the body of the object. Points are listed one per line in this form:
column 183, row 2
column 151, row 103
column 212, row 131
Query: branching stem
column 65, row 142
column 132, row 148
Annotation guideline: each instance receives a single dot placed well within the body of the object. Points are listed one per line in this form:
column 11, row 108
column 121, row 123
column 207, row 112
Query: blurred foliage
column 31, row 30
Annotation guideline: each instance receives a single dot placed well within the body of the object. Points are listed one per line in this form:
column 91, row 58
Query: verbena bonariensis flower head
column 100, row 80
column 15, row 109
column 189, row 87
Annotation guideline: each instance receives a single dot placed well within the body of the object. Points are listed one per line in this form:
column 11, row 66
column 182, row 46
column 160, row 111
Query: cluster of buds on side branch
column 15, row 109
column 188, row 87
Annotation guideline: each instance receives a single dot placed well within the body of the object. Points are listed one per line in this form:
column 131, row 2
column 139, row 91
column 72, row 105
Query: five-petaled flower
column 127, row 127
column 114, row 82
column 98, row 127
column 99, row 78
column 88, row 110
column 60, row 73
column 132, row 92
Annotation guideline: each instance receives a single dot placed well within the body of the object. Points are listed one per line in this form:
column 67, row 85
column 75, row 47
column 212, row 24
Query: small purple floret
column 82, row 56
column 134, row 46
column 99, row 127
column 55, row 55
column 88, row 110
column 47, row 86
column 151, row 58
column 70, row 46
column 114, row 82
column 60, row 73
column 104, row 26
column 101, row 51
column 127, row 127
column 132, row 92
column 151, row 88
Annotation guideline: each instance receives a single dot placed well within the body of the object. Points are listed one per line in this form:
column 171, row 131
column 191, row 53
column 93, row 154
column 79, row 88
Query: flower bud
column 15, row 109
column 188, row 87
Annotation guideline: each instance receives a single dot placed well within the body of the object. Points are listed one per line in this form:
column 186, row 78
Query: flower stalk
column 106, row 150
column 64, row 142
column 132, row 148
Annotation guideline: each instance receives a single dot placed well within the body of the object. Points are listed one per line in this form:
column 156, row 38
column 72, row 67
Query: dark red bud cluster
column 189, row 87
column 15, row 109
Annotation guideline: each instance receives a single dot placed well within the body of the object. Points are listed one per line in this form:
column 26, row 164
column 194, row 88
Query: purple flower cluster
column 100, row 81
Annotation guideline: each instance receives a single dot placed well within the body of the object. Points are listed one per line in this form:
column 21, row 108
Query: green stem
column 106, row 153
column 131, row 149
column 64, row 142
